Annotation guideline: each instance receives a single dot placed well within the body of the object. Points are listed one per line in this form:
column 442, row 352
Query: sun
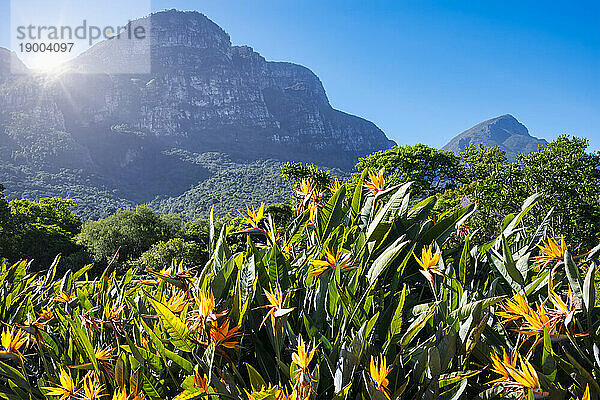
column 45, row 63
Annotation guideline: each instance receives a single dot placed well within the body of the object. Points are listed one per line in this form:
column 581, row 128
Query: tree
column 41, row 230
column 296, row 172
column 479, row 161
column 162, row 254
column 430, row 169
column 567, row 176
column 130, row 232
column 281, row 213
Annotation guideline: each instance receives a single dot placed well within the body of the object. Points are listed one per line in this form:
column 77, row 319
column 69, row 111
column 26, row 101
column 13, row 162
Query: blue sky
column 424, row 71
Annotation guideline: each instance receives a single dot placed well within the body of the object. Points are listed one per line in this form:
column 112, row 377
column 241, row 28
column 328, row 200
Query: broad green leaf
column 548, row 363
column 385, row 217
column 16, row 376
column 396, row 323
column 573, row 275
column 455, row 377
column 465, row 263
column 358, row 196
column 528, row 204
column 192, row 393
column 277, row 268
column 442, row 229
column 416, row 326
column 385, row 259
column 182, row 362
column 256, row 381
column 177, row 330
column 83, row 341
column 331, row 214
column 589, row 290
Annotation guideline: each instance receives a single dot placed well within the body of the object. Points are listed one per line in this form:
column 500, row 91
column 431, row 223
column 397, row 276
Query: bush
column 162, row 254
column 131, row 233
column 567, row 176
column 38, row 230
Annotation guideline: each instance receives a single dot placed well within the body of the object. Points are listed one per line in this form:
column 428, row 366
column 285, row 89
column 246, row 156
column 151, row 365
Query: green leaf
column 331, row 215
column 365, row 213
column 385, row 259
column 573, row 274
column 396, row 323
column 277, row 268
column 525, row 208
column 341, row 395
column 150, row 387
column 420, row 211
column 351, row 355
column 256, row 381
column 464, row 311
column 81, row 272
column 507, row 270
column 589, row 291
column 357, row 196
column 385, row 217
column 298, row 226
column 142, row 356
column 465, row 263
column 455, row 377
column 14, row 375
column 416, row 326
column 177, row 330
column 583, row 372
column 509, row 263
column 442, row 229
column 192, row 393
column 548, row 362
column 83, row 341
column 182, row 362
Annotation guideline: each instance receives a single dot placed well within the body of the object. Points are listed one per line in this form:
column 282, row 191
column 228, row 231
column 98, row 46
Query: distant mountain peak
column 504, row 131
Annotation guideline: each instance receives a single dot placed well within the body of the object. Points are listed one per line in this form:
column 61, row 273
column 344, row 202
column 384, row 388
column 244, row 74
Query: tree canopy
column 430, row 169
column 130, row 232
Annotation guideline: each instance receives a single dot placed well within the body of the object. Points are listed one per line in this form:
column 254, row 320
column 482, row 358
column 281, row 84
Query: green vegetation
column 225, row 184
column 430, row 169
column 130, row 233
column 38, row 231
column 373, row 289
column 161, row 255
column 565, row 174
column 297, row 172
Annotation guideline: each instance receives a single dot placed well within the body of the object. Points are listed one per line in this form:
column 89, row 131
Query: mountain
column 503, row 131
column 112, row 141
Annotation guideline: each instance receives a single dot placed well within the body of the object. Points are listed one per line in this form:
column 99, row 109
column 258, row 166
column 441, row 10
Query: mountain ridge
column 504, row 131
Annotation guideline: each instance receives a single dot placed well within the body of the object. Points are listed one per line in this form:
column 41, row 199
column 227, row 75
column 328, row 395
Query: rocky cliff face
column 125, row 132
column 206, row 95
column 504, row 131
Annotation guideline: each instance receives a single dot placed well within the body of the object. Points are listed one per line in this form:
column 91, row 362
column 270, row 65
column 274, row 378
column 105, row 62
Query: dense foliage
column 567, row 176
column 38, row 230
column 130, row 232
column 360, row 297
column 221, row 182
column 430, row 169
